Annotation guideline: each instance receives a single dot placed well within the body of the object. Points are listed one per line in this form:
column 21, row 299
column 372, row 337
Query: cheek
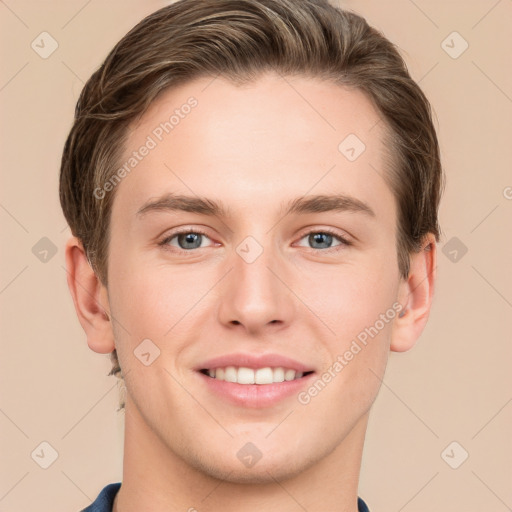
column 348, row 384
column 359, row 306
column 149, row 298
column 349, row 298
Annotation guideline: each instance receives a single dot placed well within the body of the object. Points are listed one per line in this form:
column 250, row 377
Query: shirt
column 105, row 500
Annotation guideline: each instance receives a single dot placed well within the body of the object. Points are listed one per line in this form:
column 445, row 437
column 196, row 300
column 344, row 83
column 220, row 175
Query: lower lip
column 255, row 395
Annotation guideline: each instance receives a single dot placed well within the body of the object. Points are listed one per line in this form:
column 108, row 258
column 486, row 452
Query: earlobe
column 90, row 299
column 416, row 294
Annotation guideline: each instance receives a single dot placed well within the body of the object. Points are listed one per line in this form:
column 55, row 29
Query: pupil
column 317, row 237
column 190, row 238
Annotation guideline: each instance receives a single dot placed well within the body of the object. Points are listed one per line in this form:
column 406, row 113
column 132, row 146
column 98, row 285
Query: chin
column 267, row 469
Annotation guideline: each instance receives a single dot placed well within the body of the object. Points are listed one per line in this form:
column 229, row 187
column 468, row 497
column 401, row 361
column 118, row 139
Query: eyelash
column 167, row 239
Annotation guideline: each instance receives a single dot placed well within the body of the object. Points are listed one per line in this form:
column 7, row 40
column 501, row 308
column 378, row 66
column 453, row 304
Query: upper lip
column 254, row 361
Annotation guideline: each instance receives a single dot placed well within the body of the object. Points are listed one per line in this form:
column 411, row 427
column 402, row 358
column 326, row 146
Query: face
column 281, row 264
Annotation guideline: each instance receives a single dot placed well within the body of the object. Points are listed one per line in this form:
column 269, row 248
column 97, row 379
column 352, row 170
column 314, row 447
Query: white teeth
column 263, row 376
column 289, row 375
column 243, row 375
column 278, row 375
column 230, row 374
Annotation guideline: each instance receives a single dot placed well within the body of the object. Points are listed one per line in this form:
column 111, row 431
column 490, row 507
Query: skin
column 251, row 148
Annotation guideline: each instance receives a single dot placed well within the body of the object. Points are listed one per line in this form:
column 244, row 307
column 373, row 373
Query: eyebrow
column 300, row 205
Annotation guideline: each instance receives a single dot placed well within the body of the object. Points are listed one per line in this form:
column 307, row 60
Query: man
column 252, row 188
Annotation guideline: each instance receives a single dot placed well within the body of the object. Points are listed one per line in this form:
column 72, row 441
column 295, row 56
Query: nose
column 254, row 294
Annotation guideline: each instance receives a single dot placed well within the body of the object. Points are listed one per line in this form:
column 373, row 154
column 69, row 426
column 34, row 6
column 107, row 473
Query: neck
column 155, row 478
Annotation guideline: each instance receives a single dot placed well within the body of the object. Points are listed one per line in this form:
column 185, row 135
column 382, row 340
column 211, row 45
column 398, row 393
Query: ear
column 415, row 295
column 90, row 298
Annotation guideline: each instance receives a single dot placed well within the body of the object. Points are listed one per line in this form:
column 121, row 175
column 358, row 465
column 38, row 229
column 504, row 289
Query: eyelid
column 319, row 228
column 180, row 231
column 342, row 238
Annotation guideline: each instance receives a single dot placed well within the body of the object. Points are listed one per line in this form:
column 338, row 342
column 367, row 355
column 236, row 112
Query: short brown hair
column 240, row 39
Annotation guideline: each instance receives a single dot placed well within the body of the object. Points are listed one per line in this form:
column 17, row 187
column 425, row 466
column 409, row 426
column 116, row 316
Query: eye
column 324, row 239
column 186, row 240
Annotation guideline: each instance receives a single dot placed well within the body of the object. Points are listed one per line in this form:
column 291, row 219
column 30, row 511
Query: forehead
column 273, row 137
column 319, row 110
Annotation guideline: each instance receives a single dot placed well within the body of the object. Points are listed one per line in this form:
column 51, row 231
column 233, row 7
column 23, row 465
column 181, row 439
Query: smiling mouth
column 244, row 375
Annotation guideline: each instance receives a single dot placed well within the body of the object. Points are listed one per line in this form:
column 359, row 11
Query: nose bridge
column 253, row 295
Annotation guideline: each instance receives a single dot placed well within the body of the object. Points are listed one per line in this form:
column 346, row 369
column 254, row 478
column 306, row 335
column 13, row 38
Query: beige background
column 455, row 385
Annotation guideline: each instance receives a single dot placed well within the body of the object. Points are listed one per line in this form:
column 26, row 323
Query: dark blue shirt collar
column 105, row 500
